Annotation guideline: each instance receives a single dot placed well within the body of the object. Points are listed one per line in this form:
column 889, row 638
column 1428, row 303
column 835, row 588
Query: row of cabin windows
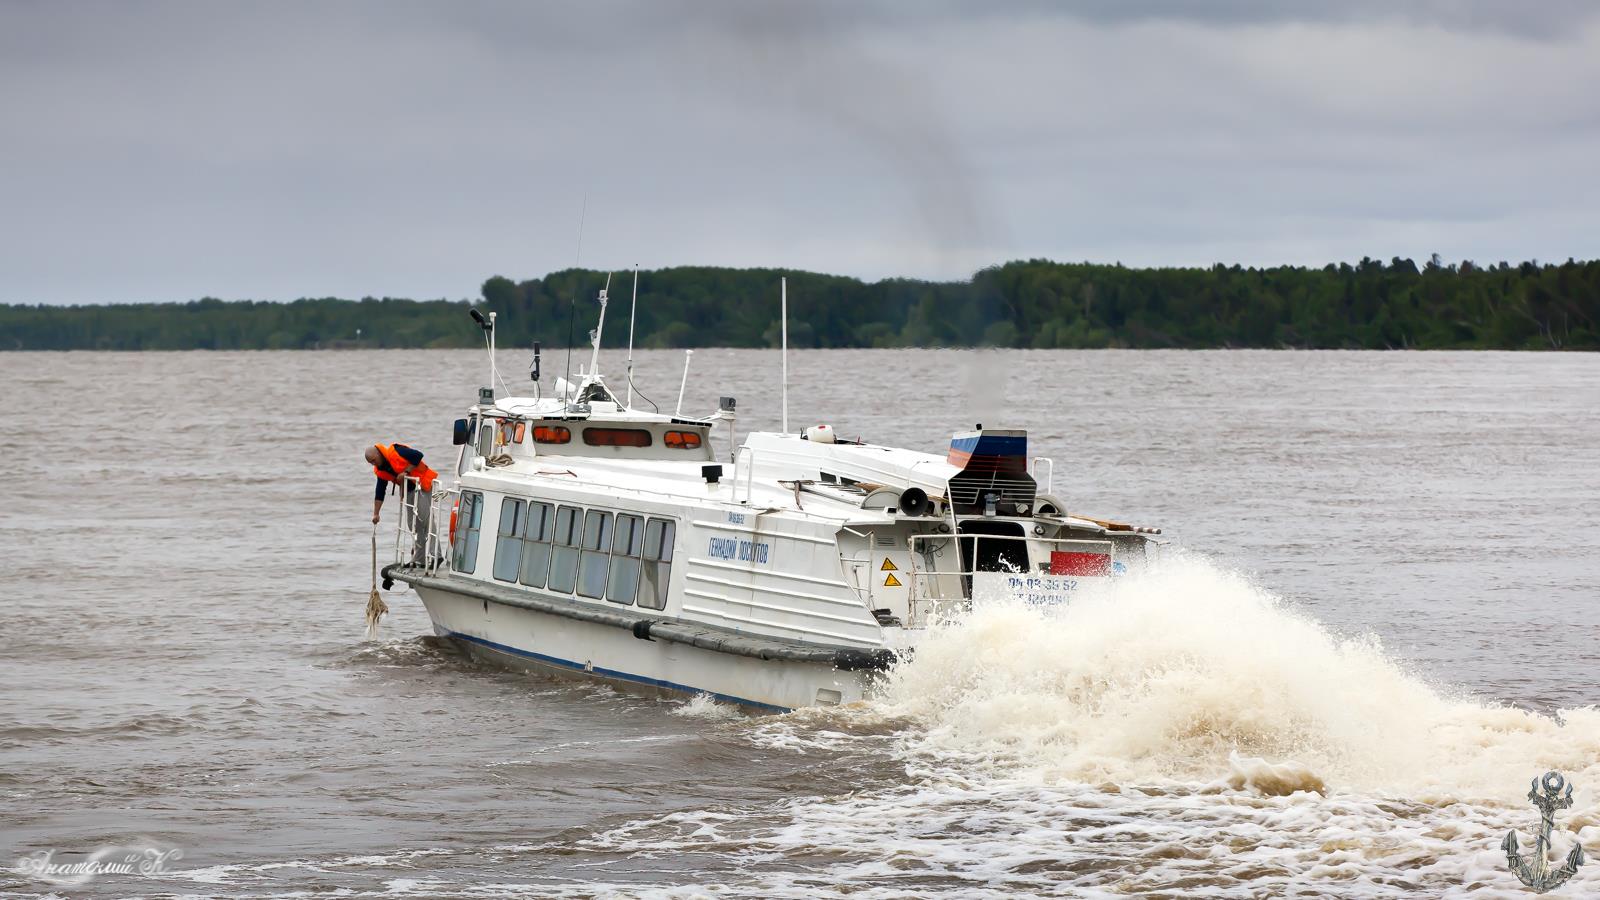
column 516, row 432
column 594, row 553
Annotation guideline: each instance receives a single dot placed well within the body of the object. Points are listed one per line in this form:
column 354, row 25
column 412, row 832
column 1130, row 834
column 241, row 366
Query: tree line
column 1033, row 303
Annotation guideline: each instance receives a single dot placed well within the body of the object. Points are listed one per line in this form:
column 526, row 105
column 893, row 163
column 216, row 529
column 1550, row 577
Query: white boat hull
column 529, row 639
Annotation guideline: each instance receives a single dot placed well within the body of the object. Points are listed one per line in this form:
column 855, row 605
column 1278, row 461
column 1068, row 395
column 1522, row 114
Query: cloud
column 162, row 151
column 1542, row 21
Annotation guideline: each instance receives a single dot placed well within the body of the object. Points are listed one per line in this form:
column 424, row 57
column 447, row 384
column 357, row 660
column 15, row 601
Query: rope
column 376, row 608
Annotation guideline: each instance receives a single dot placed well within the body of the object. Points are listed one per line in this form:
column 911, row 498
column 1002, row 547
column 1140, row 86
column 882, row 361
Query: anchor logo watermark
column 1548, row 796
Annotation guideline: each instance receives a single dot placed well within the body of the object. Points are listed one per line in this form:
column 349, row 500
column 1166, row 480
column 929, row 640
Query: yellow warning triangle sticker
column 888, row 566
column 891, row 581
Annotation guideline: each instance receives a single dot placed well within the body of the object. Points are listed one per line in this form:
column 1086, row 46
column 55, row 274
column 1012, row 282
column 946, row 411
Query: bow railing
column 435, row 543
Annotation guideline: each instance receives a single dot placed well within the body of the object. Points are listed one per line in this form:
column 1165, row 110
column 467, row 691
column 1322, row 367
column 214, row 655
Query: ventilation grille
column 968, row 488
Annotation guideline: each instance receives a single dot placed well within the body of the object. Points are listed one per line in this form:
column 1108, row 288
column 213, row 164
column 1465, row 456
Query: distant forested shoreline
column 1035, row 303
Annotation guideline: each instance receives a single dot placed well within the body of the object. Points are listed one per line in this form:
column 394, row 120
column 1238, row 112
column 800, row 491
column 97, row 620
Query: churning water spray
column 1190, row 672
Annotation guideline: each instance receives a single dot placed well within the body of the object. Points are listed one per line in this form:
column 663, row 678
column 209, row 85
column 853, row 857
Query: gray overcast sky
column 167, row 151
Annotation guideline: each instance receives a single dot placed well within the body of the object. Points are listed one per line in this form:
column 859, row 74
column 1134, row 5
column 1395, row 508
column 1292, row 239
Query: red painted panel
column 1064, row 562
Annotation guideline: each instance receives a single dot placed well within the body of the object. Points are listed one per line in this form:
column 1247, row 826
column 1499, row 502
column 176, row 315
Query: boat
column 586, row 535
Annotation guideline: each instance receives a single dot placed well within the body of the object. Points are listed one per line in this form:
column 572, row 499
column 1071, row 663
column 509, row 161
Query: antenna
column 572, row 309
column 494, row 371
column 633, row 310
column 784, row 314
column 487, row 324
column 594, row 336
column 687, row 355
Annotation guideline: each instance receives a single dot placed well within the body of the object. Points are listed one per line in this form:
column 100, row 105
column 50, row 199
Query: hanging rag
column 376, row 608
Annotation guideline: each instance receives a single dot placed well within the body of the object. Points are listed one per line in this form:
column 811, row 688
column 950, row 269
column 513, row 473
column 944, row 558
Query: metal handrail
column 919, row 579
column 435, row 548
column 438, row 549
column 858, row 565
column 1009, row 537
column 749, row 474
column 915, row 573
column 405, row 532
column 1033, row 467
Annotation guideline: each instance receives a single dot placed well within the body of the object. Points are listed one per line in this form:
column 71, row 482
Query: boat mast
column 594, row 336
column 631, row 312
column 572, row 311
column 784, row 314
column 687, row 355
column 488, row 338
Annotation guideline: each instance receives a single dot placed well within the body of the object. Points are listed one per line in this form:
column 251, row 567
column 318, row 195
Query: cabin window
column 596, row 554
column 469, row 516
column 564, row 552
column 616, row 437
column 537, row 529
column 656, row 568
column 486, row 440
column 551, row 434
column 519, row 432
column 508, row 431
column 508, row 545
column 681, row 440
column 627, row 545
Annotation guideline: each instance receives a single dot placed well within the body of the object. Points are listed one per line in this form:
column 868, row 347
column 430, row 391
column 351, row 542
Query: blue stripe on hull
column 612, row 673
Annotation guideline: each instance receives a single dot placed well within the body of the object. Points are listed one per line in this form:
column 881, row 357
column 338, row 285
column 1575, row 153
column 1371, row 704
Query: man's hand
column 374, row 518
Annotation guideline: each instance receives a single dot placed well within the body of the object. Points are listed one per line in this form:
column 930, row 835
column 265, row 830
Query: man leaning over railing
column 399, row 464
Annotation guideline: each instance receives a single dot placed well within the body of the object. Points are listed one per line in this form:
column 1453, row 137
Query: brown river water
column 1380, row 617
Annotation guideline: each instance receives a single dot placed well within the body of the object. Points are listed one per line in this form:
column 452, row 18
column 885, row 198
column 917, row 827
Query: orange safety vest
column 397, row 463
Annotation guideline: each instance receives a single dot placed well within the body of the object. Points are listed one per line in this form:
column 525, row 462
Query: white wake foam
column 1191, row 672
column 1180, row 732
column 705, row 706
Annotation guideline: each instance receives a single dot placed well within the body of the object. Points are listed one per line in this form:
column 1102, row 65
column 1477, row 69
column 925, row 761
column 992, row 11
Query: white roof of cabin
column 789, row 456
column 644, row 483
column 555, row 408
